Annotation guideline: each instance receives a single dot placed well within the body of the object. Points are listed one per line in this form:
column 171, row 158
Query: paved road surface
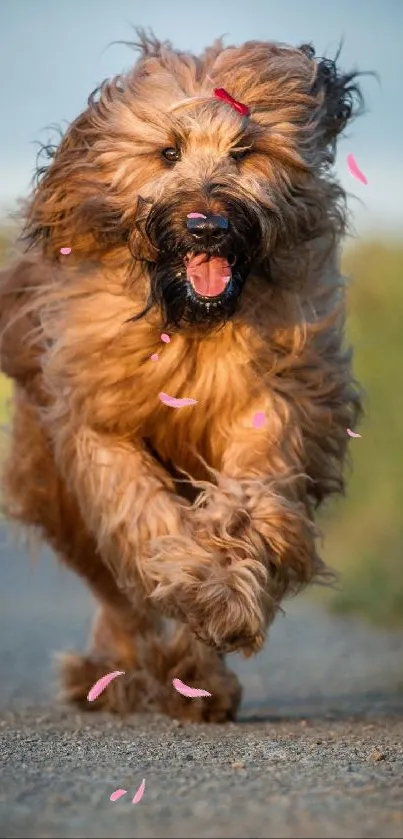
column 318, row 750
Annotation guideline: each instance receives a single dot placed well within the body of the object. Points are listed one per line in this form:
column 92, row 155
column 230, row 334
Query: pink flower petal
column 165, row 338
column 140, row 792
column 154, row 356
column 354, row 170
column 103, row 683
column 353, row 433
column 195, row 215
column 172, row 402
column 117, row 794
column 185, row 690
column 65, row 251
column 259, row 419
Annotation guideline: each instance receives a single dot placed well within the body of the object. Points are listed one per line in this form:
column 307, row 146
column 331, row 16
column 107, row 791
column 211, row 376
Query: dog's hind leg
column 116, row 643
column 150, row 664
column 199, row 666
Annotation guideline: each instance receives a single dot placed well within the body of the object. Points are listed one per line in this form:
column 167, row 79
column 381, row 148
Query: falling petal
column 354, row 170
column 65, row 251
column 165, row 338
column 195, row 215
column 140, row 792
column 353, row 433
column 185, row 690
column 154, row 356
column 259, row 420
column 172, row 402
column 103, row 683
column 117, row 794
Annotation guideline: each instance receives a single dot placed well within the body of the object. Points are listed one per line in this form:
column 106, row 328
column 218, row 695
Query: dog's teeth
column 207, row 306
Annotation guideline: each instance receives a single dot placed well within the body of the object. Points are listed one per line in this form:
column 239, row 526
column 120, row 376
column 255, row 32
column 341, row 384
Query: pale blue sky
column 53, row 53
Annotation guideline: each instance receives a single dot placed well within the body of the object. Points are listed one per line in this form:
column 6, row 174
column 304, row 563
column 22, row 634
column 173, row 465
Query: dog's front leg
column 127, row 501
column 255, row 523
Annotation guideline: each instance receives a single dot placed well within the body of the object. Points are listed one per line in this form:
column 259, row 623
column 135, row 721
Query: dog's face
column 200, row 193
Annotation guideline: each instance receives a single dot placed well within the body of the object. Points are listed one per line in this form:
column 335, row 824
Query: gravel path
column 317, row 752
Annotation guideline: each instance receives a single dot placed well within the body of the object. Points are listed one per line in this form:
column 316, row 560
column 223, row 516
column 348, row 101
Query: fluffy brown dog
column 220, row 224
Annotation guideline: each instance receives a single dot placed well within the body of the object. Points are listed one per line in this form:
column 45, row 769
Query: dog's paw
column 228, row 628
column 221, row 596
column 220, row 707
column 226, row 610
column 145, row 691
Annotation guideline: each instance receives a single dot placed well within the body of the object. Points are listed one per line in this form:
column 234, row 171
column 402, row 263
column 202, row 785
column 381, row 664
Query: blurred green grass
column 364, row 532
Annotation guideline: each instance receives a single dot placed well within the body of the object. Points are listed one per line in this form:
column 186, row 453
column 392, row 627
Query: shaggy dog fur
column 189, row 514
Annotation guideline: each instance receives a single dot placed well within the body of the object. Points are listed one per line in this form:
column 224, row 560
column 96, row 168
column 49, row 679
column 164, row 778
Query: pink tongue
column 209, row 275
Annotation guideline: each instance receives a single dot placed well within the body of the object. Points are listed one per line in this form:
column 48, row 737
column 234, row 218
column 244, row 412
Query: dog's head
column 201, row 191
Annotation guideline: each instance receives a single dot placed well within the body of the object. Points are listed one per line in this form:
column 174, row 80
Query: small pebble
column 377, row 755
column 238, row 764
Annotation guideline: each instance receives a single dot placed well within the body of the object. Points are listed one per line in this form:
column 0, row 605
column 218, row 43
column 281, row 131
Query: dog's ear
column 68, row 201
column 339, row 96
column 57, row 189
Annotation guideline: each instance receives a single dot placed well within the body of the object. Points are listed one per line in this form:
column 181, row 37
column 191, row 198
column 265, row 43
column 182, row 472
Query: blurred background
column 53, row 55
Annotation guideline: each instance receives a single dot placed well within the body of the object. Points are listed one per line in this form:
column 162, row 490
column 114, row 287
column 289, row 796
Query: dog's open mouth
column 208, row 275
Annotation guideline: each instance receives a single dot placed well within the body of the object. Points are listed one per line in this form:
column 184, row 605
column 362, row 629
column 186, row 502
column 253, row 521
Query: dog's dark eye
column 171, row 154
column 239, row 154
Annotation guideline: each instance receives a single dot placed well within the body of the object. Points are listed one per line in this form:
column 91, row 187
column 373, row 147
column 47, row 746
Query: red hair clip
column 220, row 93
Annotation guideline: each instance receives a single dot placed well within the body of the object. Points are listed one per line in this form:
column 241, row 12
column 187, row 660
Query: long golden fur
column 190, row 514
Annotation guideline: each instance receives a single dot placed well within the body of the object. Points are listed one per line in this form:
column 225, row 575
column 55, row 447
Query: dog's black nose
column 205, row 229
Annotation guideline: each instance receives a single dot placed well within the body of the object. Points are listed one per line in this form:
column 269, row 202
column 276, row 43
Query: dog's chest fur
column 217, row 372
